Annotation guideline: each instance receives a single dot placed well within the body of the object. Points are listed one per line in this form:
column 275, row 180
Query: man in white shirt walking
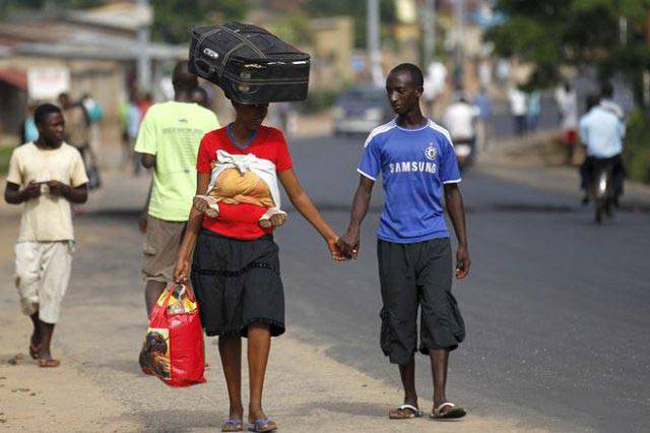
column 518, row 109
column 45, row 177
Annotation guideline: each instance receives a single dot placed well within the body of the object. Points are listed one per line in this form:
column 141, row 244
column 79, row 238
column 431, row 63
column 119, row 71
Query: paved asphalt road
column 556, row 307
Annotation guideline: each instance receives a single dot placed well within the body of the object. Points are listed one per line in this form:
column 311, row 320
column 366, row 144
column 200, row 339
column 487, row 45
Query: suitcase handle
column 205, row 68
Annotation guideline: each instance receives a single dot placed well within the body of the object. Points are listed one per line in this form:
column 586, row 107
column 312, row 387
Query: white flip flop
column 454, row 413
column 414, row 412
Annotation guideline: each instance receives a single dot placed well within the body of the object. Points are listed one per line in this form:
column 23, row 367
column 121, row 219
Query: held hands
column 335, row 251
column 463, row 262
column 348, row 244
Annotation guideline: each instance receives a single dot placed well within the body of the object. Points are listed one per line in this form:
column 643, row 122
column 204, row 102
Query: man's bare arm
column 15, row 195
column 147, row 160
column 349, row 242
column 182, row 268
column 77, row 195
column 456, row 211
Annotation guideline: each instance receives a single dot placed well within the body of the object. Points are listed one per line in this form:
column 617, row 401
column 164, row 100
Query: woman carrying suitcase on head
column 235, row 268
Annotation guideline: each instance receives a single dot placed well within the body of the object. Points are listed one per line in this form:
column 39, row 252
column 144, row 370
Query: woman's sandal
column 48, row 363
column 454, row 413
column 405, row 411
column 232, row 425
column 262, row 425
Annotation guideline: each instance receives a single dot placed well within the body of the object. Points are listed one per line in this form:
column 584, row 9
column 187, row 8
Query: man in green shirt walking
column 168, row 142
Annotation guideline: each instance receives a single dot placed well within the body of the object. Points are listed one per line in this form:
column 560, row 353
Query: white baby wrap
column 263, row 168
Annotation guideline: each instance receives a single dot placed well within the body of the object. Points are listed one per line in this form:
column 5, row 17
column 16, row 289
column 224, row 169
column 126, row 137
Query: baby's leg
column 207, row 205
column 273, row 217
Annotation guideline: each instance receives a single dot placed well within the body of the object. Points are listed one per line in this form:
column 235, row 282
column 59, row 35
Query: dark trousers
column 590, row 164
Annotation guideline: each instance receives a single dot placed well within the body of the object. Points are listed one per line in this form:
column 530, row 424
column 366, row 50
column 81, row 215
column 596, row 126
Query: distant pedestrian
column 534, row 110
column 45, row 176
column 484, row 122
column 78, row 136
column 28, row 129
column 416, row 160
column 132, row 120
column 94, row 118
column 144, row 102
column 168, row 143
column 518, row 109
column 434, row 87
column 567, row 102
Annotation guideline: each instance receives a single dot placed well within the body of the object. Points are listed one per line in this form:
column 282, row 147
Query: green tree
column 550, row 34
column 173, row 18
column 611, row 35
column 8, row 6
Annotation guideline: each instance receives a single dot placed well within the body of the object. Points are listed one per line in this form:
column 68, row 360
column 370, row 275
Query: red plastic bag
column 173, row 349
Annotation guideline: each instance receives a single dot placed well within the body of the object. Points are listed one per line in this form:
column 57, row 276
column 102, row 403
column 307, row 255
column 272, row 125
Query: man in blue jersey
column 416, row 159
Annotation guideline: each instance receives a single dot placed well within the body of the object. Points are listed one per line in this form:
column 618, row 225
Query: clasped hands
column 345, row 247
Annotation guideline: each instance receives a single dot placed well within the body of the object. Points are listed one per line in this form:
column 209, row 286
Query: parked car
column 360, row 109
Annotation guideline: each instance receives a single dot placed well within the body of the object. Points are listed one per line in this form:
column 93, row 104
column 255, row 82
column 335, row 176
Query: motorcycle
column 602, row 188
column 464, row 150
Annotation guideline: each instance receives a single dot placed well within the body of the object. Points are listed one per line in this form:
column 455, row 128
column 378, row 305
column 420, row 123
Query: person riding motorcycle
column 602, row 131
column 460, row 120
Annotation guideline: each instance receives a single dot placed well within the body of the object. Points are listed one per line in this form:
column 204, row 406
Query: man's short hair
column 44, row 110
column 182, row 78
column 413, row 70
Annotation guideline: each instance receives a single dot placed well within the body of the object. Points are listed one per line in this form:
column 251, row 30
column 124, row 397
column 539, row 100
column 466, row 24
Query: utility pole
column 373, row 43
column 429, row 30
column 459, row 29
column 144, row 59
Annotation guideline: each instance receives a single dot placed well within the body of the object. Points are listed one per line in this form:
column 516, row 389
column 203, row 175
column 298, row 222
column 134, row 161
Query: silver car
column 360, row 109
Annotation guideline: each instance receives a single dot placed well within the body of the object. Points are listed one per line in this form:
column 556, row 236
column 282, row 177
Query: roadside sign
column 47, row 83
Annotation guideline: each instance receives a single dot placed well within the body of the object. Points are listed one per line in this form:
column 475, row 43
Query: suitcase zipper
column 264, row 81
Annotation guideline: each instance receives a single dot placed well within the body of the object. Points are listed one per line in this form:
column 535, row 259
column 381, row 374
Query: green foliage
column 8, row 6
column 173, row 18
column 293, row 27
column 553, row 33
column 636, row 152
column 5, row 156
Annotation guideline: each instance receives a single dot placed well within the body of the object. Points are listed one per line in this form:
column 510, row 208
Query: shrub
column 636, row 150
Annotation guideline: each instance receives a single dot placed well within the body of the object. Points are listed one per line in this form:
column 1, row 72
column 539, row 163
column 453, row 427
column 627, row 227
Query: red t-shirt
column 241, row 221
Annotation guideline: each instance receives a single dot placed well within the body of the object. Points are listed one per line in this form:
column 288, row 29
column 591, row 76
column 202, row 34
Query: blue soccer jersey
column 414, row 164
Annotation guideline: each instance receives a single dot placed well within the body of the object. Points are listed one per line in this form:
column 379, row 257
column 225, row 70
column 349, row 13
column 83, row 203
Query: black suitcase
column 251, row 65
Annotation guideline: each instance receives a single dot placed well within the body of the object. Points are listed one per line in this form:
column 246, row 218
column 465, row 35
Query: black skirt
column 237, row 283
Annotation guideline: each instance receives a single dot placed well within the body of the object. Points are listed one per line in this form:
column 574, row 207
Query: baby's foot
column 273, row 218
column 207, row 205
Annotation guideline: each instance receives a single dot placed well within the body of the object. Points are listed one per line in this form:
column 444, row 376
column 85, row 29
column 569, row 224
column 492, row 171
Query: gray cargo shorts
column 411, row 276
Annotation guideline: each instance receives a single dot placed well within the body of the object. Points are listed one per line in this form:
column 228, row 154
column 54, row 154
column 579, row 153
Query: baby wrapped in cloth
column 243, row 179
